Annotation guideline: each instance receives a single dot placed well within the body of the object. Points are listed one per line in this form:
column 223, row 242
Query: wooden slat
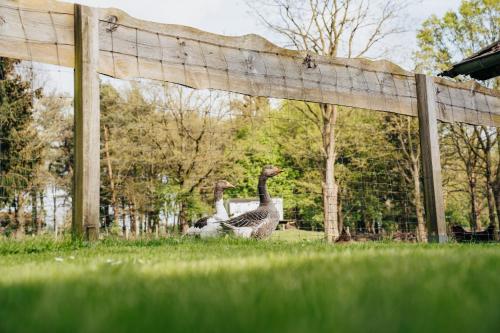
column 429, row 143
column 41, row 30
column 251, row 65
column 37, row 30
column 87, row 134
column 467, row 102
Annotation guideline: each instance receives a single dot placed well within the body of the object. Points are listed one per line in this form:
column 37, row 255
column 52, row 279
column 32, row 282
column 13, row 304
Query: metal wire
column 379, row 189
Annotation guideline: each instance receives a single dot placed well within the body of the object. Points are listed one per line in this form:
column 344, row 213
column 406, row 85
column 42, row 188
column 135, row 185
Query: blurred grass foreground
column 228, row 285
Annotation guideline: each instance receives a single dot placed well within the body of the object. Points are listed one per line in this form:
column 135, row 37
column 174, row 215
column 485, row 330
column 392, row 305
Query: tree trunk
column 340, row 215
column 491, row 205
column 489, row 181
column 141, row 223
column 183, row 223
column 362, row 226
column 106, row 217
column 34, row 210
column 496, row 193
column 329, row 186
column 421, row 230
column 473, row 210
column 54, row 217
column 41, row 219
column 19, row 216
column 133, row 221
column 124, row 225
column 114, row 202
column 149, row 222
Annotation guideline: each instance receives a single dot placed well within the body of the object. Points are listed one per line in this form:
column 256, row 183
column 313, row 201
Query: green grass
column 295, row 235
column 247, row 286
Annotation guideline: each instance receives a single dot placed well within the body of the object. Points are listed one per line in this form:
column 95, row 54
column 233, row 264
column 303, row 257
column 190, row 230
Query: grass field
column 247, row 286
column 296, row 235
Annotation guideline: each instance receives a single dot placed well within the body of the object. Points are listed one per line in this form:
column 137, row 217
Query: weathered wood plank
column 251, row 65
column 42, row 30
column 86, row 180
column 429, row 143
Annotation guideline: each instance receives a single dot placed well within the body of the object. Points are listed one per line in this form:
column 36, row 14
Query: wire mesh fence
column 163, row 146
column 470, row 167
column 35, row 148
column 225, row 135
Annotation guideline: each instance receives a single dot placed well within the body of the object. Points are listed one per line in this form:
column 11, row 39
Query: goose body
column 261, row 222
column 209, row 226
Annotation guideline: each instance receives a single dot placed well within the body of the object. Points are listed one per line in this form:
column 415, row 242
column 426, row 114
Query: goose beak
column 278, row 171
column 229, row 185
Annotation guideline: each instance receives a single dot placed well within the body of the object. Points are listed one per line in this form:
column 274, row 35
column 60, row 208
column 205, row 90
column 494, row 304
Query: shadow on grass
column 347, row 292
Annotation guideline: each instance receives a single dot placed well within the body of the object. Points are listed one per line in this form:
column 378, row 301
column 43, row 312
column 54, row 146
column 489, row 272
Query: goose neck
column 264, row 196
column 220, row 210
column 218, row 194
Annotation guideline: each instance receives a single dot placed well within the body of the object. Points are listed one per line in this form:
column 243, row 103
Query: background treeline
column 163, row 147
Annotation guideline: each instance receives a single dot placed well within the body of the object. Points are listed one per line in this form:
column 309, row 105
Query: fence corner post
column 430, row 156
column 86, row 179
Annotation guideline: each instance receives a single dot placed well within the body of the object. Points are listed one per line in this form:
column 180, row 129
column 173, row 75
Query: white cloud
column 232, row 17
column 219, row 16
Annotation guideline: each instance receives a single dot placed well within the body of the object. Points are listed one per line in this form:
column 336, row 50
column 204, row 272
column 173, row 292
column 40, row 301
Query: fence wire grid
column 164, row 145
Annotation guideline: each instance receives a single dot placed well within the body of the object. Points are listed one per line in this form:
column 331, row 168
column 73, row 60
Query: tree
column 112, row 112
column 457, row 35
column 55, row 128
column 129, row 170
column 463, row 138
column 267, row 134
column 402, row 134
column 21, row 151
column 193, row 143
column 444, row 41
column 331, row 28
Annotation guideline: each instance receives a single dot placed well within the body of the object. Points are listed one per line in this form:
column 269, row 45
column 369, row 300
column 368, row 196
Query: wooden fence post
column 429, row 144
column 86, row 180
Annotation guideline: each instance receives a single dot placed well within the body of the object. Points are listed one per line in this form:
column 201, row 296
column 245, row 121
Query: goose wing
column 201, row 222
column 249, row 219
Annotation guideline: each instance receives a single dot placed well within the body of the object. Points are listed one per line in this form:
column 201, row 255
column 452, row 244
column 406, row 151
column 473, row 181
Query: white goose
column 209, row 226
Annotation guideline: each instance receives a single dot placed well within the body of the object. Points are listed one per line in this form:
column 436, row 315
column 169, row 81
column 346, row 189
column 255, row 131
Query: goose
column 261, row 222
column 209, row 226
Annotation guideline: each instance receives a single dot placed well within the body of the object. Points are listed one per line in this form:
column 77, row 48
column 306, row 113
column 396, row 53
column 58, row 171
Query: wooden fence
column 108, row 41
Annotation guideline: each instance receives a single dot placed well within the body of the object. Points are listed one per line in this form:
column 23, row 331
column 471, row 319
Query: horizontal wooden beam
column 130, row 48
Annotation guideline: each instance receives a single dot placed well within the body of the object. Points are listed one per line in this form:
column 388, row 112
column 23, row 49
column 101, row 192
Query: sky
column 230, row 17
column 233, row 17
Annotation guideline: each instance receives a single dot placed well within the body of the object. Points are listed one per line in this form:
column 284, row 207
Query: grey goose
column 261, row 222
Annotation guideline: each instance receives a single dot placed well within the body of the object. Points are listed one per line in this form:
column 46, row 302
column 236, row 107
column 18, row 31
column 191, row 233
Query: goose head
column 221, row 185
column 270, row 171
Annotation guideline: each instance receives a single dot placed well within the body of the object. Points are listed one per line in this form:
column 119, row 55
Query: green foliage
column 442, row 42
column 457, row 35
column 20, row 148
column 55, row 127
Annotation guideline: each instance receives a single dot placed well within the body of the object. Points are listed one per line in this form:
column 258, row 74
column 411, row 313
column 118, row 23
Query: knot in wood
column 2, row 20
column 249, row 63
column 112, row 22
column 309, row 62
